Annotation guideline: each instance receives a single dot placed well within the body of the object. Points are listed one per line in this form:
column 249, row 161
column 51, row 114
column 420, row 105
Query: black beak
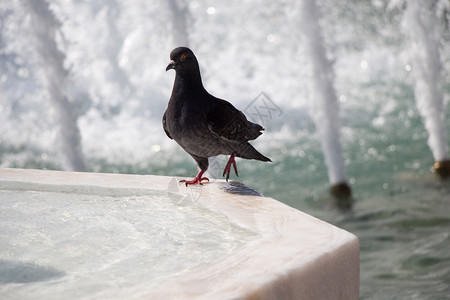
column 171, row 65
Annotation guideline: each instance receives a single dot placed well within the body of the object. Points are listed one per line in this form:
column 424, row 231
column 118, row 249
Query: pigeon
column 203, row 125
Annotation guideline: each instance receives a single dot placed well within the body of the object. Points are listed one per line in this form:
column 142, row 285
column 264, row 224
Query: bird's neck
column 190, row 82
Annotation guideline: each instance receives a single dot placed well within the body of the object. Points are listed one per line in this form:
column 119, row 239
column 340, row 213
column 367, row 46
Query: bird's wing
column 165, row 126
column 228, row 122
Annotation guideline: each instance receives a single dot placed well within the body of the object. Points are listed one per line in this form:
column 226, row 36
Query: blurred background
column 83, row 87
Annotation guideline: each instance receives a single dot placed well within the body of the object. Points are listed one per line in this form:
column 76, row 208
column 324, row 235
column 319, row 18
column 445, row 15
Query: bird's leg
column 227, row 169
column 198, row 179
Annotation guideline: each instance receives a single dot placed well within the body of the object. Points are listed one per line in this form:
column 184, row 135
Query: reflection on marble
column 125, row 236
column 20, row 272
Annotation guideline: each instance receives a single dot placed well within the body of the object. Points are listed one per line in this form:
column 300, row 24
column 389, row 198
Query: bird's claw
column 194, row 181
column 227, row 170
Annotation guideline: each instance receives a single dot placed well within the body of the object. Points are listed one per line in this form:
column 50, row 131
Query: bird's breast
column 184, row 120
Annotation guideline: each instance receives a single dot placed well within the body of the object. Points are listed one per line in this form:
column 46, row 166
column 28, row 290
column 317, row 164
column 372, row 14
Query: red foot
column 198, row 179
column 227, row 169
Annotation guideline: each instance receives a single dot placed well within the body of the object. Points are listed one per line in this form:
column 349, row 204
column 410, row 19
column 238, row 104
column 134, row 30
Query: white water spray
column 325, row 106
column 423, row 30
column 116, row 52
column 45, row 27
column 55, row 76
column 180, row 13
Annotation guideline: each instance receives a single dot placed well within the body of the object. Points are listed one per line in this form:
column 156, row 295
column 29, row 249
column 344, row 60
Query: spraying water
column 180, row 14
column 424, row 33
column 325, row 108
column 45, row 27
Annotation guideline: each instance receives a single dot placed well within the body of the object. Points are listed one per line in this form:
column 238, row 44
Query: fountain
column 95, row 89
column 392, row 89
column 424, row 33
column 325, row 107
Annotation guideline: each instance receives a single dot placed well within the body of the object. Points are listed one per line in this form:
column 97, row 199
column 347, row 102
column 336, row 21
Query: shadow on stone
column 235, row 187
column 21, row 272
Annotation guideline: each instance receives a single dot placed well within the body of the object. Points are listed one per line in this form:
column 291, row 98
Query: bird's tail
column 247, row 151
column 253, row 130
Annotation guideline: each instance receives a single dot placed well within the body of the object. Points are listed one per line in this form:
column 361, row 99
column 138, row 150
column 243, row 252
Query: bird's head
column 182, row 58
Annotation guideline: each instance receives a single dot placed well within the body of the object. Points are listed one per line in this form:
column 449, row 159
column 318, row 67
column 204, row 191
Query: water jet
column 325, row 111
column 425, row 38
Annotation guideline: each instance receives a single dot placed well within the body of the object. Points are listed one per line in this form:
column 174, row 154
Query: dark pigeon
column 202, row 124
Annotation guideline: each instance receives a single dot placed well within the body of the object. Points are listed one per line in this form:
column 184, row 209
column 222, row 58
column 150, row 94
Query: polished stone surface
column 89, row 235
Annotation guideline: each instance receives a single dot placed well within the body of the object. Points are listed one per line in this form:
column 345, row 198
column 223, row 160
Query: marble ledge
column 295, row 256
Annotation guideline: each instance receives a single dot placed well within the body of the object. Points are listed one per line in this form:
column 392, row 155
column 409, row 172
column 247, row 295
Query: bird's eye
column 183, row 56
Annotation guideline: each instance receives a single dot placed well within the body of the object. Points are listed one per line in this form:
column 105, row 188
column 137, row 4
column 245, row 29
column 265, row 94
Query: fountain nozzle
column 442, row 168
column 343, row 195
column 341, row 190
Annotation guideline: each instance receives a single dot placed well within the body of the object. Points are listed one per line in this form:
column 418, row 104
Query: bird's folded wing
column 229, row 123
